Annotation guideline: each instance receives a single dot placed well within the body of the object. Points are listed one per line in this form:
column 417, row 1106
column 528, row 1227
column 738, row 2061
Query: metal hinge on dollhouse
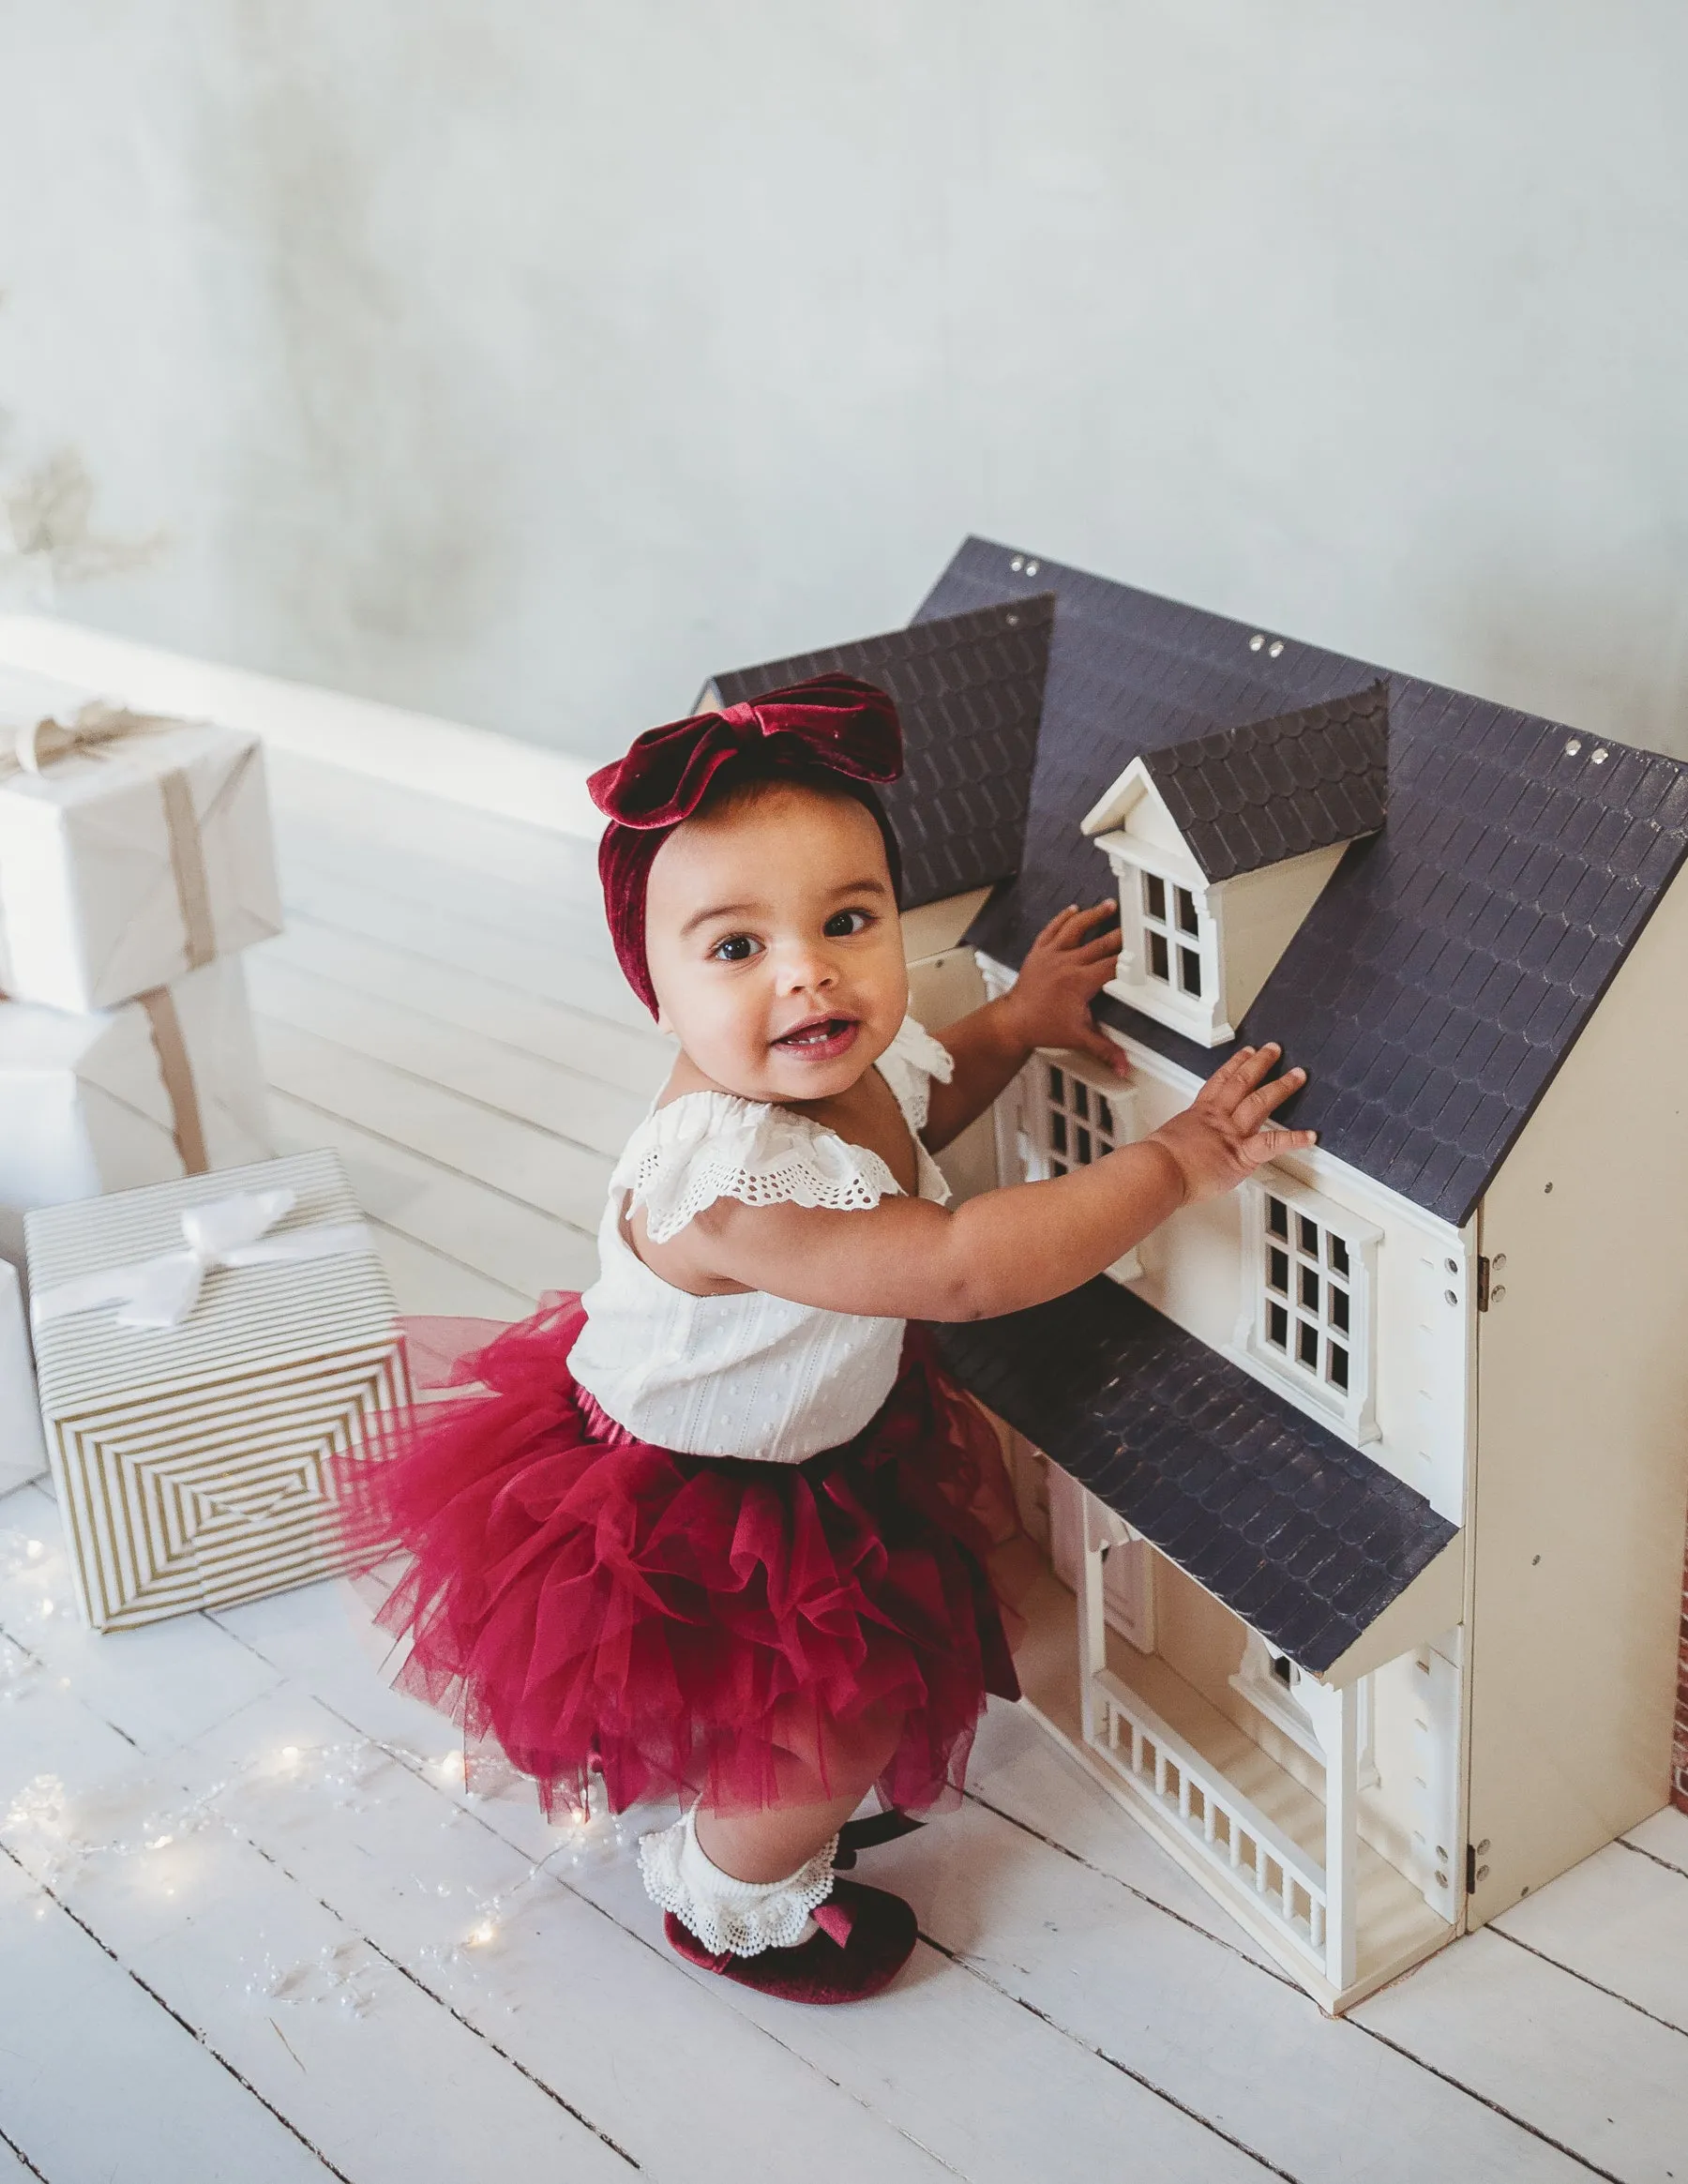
column 1483, row 1272
column 1475, row 1872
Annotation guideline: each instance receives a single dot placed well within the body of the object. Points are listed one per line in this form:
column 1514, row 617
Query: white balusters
column 1236, row 1839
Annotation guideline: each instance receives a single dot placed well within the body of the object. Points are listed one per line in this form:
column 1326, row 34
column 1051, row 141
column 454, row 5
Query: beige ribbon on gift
column 161, row 1291
column 188, row 1124
column 93, row 727
column 175, row 1071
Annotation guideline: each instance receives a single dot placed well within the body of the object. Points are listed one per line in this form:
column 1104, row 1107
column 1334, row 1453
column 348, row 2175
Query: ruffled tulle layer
column 687, row 1625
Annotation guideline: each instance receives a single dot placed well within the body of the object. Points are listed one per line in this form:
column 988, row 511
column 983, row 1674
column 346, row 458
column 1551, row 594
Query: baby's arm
column 908, row 1258
column 1048, row 1005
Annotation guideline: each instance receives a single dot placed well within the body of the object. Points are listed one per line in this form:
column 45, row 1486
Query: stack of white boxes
column 136, row 861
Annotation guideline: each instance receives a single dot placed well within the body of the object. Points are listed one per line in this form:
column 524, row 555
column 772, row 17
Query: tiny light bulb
column 159, row 1842
column 33, row 1549
column 487, row 1930
column 289, row 1753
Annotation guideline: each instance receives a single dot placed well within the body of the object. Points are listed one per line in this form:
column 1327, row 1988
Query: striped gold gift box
column 188, row 1459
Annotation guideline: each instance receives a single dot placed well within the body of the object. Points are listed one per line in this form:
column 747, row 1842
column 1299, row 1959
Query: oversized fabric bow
column 225, row 1233
column 833, row 724
column 832, row 721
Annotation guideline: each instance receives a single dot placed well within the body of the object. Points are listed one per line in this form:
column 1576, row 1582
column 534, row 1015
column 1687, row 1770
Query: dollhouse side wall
column 1581, row 1473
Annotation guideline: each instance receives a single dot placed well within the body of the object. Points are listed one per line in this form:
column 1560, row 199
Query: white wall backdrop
column 524, row 360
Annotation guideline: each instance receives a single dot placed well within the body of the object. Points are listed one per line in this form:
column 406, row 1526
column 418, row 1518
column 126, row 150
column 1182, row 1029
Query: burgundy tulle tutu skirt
column 589, row 1603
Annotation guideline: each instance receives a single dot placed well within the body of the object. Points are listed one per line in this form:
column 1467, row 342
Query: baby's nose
column 806, row 963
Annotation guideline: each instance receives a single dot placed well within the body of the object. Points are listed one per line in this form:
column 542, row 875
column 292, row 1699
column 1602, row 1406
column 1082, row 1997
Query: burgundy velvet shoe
column 866, row 1936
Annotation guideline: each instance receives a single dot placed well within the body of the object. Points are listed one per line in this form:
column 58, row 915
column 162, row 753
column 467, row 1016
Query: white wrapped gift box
column 133, row 849
column 165, row 1086
column 22, row 1457
column 188, row 1458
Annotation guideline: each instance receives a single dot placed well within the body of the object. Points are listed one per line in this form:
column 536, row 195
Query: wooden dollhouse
column 1363, row 1488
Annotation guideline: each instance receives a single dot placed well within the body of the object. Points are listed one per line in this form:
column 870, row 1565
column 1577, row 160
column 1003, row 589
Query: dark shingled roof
column 1452, row 960
column 1305, row 1538
column 969, row 690
column 1244, row 797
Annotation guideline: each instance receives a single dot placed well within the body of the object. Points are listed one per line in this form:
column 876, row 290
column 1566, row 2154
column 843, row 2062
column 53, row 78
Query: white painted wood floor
column 279, row 1987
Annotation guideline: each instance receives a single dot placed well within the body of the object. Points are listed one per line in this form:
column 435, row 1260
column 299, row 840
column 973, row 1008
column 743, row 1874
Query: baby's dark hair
column 743, row 782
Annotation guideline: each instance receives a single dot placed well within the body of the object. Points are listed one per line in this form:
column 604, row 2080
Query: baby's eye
column 843, row 924
column 735, row 948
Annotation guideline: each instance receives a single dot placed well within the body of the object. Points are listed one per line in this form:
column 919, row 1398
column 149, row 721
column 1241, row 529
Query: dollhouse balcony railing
column 1228, row 1832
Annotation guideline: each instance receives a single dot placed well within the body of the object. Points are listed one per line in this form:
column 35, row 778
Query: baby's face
column 775, row 946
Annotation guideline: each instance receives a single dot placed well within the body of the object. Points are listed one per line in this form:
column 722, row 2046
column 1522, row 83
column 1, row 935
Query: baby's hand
column 1218, row 1139
column 1068, row 964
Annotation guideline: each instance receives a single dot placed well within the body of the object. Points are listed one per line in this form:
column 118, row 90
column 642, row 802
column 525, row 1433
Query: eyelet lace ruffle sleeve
column 909, row 1065
column 706, row 1146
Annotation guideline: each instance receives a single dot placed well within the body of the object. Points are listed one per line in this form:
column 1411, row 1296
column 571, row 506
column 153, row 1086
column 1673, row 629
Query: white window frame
column 1045, row 1116
column 1350, row 1411
column 1175, row 922
column 1279, row 1688
column 1199, row 1017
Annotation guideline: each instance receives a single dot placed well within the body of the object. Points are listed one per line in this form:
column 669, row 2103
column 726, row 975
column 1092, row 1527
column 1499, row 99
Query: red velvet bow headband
column 832, row 723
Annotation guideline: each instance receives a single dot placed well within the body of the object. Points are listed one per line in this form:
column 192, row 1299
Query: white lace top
column 746, row 1375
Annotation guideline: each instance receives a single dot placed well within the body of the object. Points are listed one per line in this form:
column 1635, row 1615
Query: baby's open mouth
column 820, row 1037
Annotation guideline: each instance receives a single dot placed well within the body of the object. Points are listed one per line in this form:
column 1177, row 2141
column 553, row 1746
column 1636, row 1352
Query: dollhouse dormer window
column 1172, row 956
column 1171, row 935
column 1221, row 846
column 1307, row 1319
column 1069, row 1115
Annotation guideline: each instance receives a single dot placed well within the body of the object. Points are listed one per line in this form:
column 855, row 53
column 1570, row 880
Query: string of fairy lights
column 150, row 1832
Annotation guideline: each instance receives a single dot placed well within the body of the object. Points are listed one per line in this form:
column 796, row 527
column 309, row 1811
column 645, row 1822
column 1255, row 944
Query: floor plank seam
column 1470, row 2091
column 667, row 1958
column 355, row 1927
column 451, row 1259
column 263, row 1017
column 1150, row 1903
column 1485, row 2099
column 1640, row 1850
column 530, row 906
column 663, row 1955
column 30, row 1654
column 193, row 2031
column 307, row 836
column 579, row 930
column 331, row 841
column 1570, row 1972
column 444, row 1166
column 573, row 1077
column 972, row 1969
column 504, row 2054
column 591, row 1019
column 13, row 2148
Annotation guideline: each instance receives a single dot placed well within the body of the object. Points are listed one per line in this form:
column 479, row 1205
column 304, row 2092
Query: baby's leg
column 771, row 1844
column 823, row 1778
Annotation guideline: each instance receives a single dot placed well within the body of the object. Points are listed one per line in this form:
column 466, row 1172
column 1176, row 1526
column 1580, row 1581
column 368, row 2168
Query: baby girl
column 720, row 1529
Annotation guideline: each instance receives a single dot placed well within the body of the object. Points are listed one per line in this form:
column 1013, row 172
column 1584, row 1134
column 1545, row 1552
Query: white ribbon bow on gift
column 227, row 1232
column 38, row 743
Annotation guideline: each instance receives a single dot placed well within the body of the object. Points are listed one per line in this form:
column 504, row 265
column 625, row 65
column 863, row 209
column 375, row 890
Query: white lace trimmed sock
column 728, row 1916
